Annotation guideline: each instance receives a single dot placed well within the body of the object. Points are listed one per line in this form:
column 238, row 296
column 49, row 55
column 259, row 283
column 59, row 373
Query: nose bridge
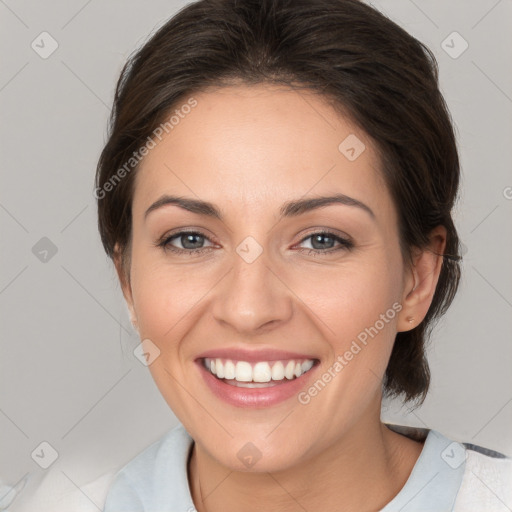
column 251, row 295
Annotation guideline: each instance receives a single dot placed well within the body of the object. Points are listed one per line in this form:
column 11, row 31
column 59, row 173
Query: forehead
column 255, row 146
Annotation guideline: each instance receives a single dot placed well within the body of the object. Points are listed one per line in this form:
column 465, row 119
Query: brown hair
column 372, row 70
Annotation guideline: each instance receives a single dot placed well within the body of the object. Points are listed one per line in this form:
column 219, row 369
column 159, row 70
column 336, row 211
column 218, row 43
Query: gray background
column 68, row 374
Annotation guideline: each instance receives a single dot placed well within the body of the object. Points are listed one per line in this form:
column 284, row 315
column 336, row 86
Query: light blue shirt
column 156, row 479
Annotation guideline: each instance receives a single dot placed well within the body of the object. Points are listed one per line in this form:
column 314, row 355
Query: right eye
column 191, row 242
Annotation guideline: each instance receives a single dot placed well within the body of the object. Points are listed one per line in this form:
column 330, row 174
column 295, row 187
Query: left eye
column 190, row 241
column 324, row 242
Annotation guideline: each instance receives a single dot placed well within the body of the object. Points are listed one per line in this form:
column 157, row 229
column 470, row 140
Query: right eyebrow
column 189, row 204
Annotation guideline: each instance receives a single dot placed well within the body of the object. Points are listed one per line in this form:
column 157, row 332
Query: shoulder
column 487, row 481
column 144, row 481
column 459, row 476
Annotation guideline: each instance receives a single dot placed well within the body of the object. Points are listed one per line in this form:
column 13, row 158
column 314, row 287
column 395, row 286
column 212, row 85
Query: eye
column 324, row 242
column 190, row 242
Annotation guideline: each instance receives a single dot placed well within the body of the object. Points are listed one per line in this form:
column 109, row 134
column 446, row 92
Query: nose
column 253, row 297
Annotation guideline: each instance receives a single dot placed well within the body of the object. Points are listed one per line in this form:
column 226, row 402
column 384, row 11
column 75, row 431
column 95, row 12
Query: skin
column 248, row 150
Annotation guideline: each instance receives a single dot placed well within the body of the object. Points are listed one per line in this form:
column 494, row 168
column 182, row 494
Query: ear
column 421, row 281
column 123, row 273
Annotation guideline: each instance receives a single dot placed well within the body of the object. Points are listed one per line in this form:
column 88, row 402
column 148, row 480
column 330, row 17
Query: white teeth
column 278, row 371
column 307, row 365
column 219, row 369
column 289, row 371
column 229, row 370
column 243, row 371
column 260, row 372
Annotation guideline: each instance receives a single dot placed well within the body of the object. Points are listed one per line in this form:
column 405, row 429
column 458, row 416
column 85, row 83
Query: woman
column 276, row 195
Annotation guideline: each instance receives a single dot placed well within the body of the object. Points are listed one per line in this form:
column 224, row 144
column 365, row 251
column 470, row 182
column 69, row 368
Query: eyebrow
column 288, row 209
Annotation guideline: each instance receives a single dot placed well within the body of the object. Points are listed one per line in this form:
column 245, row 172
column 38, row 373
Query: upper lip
column 241, row 354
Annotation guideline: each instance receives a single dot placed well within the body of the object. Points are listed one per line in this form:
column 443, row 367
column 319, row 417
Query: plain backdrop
column 68, row 375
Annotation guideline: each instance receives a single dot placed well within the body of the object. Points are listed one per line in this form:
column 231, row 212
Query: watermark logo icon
column 44, row 455
column 146, row 352
column 351, row 147
column 249, row 249
column 454, row 45
column 44, row 250
column 44, row 45
column 454, row 455
column 249, row 454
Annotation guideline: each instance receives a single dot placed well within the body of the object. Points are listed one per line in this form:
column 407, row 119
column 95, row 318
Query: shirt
column 448, row 476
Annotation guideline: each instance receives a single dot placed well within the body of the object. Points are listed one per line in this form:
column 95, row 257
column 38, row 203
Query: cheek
column 163, row 294
column 356, row 308
column 162, row 300
column 352, row 297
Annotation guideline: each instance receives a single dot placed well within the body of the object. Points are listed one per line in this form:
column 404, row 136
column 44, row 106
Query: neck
column 364, row 470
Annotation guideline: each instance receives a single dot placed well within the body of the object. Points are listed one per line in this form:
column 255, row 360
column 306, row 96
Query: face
column 266, row 289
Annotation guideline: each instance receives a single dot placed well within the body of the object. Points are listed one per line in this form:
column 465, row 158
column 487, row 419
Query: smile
column 244, row 372
column 256, row 383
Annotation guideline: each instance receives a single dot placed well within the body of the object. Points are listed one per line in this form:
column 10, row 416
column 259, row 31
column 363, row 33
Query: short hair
column 371, row 70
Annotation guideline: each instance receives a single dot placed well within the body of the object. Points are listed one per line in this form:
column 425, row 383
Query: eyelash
column 164, row 243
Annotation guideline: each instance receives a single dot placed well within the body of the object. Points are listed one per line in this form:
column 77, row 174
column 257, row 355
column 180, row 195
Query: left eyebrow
column 293, row 208
column 288, row 209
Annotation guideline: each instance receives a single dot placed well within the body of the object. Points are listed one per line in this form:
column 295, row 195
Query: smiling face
column 250, row 277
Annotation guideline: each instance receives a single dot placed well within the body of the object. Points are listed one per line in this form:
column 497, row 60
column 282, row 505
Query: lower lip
column 255, row 397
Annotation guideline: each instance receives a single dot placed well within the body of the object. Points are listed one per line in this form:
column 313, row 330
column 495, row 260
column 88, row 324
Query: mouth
column 256, row 383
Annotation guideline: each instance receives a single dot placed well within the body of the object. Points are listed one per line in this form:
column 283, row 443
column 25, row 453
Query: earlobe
column 133, row 317
column 421, row 283
column 124, row 281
